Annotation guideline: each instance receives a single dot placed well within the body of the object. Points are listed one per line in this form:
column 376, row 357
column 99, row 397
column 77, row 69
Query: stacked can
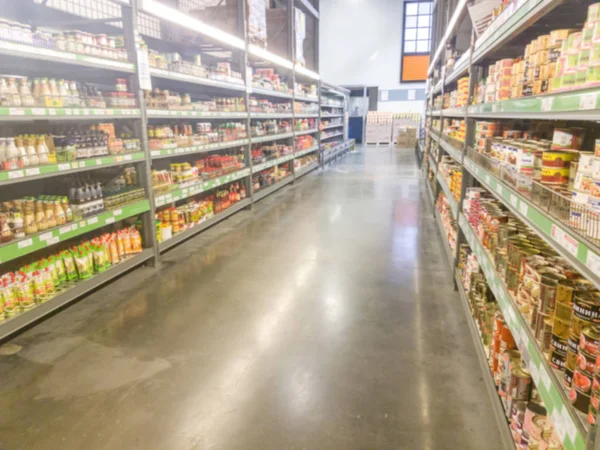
column 503, row 79
column 584, row 324
column 462, row 97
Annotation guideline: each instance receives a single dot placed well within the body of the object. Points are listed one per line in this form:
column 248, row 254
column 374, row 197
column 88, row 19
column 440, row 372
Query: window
column 417, row 27
column 416, row 40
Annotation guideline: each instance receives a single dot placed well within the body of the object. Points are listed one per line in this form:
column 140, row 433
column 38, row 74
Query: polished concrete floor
column 323, row 319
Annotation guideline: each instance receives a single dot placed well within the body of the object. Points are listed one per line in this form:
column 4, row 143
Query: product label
column 52, row 112
column 593, row 262
column 587, row 101
column 74, row 227
column 117, row 212
column 514, row 200
column 44, row 237
column 109, row 220
column 523, row 208
column 53, row 240
column 32, row 172
column 15, row 174
column 25, row 243
column 64, row 230
column 566, row 241
column 547, row 104
column 98, row 162
column 16, row 111
column 62, row 167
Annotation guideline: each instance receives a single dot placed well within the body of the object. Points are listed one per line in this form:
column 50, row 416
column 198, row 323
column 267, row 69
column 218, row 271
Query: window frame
column 402, row 42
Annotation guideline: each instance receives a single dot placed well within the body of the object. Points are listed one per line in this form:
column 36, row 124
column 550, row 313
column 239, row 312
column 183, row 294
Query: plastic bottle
column 42, row 150
column 3, row 157
column 31, row 152
column 23, row 158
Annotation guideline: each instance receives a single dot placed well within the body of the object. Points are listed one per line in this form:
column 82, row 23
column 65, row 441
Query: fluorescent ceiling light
column 177, row 17
column 307, row 73
column 268, row 56
column 451, row 25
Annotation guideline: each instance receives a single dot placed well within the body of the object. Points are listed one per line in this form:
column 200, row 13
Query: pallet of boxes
column 404, row 129
column 379, row 128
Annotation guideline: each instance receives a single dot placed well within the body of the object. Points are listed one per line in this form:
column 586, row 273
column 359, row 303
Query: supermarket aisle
column 325, row 319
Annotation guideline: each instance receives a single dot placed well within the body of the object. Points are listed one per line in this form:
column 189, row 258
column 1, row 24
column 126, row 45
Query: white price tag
column 144, row 77
column 74, row 227
column 558, row 423
column 499, row 188
column 25, row 243
column 523, row 208
column 593, row 262
column 587, row 101
column 98, row 162
column 38, row 111
column 62, row 167
column 32, row 172
column 86, row 112
column 514, row 200
column 99, row 112
column 45, row 236
column 64, row 230
column 117, row 212
column 566, row 241
column 16, row 111
column 52, row 111
column 154, row 153
column 127, row 157
column 53, row 240
column 15, row 174
column 547, row 104
column 69, row 112
column 545, row 379
column 110, row 220
column 535, row 374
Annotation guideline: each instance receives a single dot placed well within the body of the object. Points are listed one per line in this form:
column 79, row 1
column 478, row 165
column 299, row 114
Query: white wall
column 360, row 44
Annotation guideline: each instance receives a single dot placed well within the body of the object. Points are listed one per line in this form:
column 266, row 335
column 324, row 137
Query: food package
column 257, row 22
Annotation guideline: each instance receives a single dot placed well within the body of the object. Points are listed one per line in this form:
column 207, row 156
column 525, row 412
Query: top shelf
column 45, row 54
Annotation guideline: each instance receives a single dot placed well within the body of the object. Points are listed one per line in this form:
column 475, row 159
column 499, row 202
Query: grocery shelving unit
column 334, row 102
column 506, row 37
column 164, row 27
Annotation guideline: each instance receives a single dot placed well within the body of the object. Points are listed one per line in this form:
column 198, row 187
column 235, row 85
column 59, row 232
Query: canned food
column 555, row 175
column 558, row 360
column 586, row 362
column 590, row 340
column 586, row 307
column 580, row 391
column 559, row 343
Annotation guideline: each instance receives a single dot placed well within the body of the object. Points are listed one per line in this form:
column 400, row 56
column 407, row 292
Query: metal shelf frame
column 136, row 69
column 582, row 254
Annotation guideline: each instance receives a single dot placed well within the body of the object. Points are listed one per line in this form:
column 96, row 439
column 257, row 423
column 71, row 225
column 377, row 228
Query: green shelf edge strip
column 29, row 51
column 570, row 243
column 197, row 148
column 197, row 114
column 67, row 112
column 271, row 137
column 177, row 193
column 22, row 247
column 446, row 189
column 103, row 161
column 542, row 375
column 274, row 162
column 586, row 99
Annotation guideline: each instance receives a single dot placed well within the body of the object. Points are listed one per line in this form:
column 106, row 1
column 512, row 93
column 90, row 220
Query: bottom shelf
column 306, row 169
column 447, row 248
column 430, row 191
column 26, row 318
column 180, row 237
column 259, row 195
column 500, row 416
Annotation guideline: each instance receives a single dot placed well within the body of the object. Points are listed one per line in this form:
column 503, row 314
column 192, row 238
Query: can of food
column 589, row 340
column 555, row 175
column 560, row 327
column 534, row 422
column 564, row 295
column 580, row 391
column 560, row 344
column 571, row 360
column 573, row 341
column 586, row 362
column 520, row 384
column 568, row 378
column 558, row 360
column 593, row 411
column 547, row 297
column 562, row 158
column 586, row 307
